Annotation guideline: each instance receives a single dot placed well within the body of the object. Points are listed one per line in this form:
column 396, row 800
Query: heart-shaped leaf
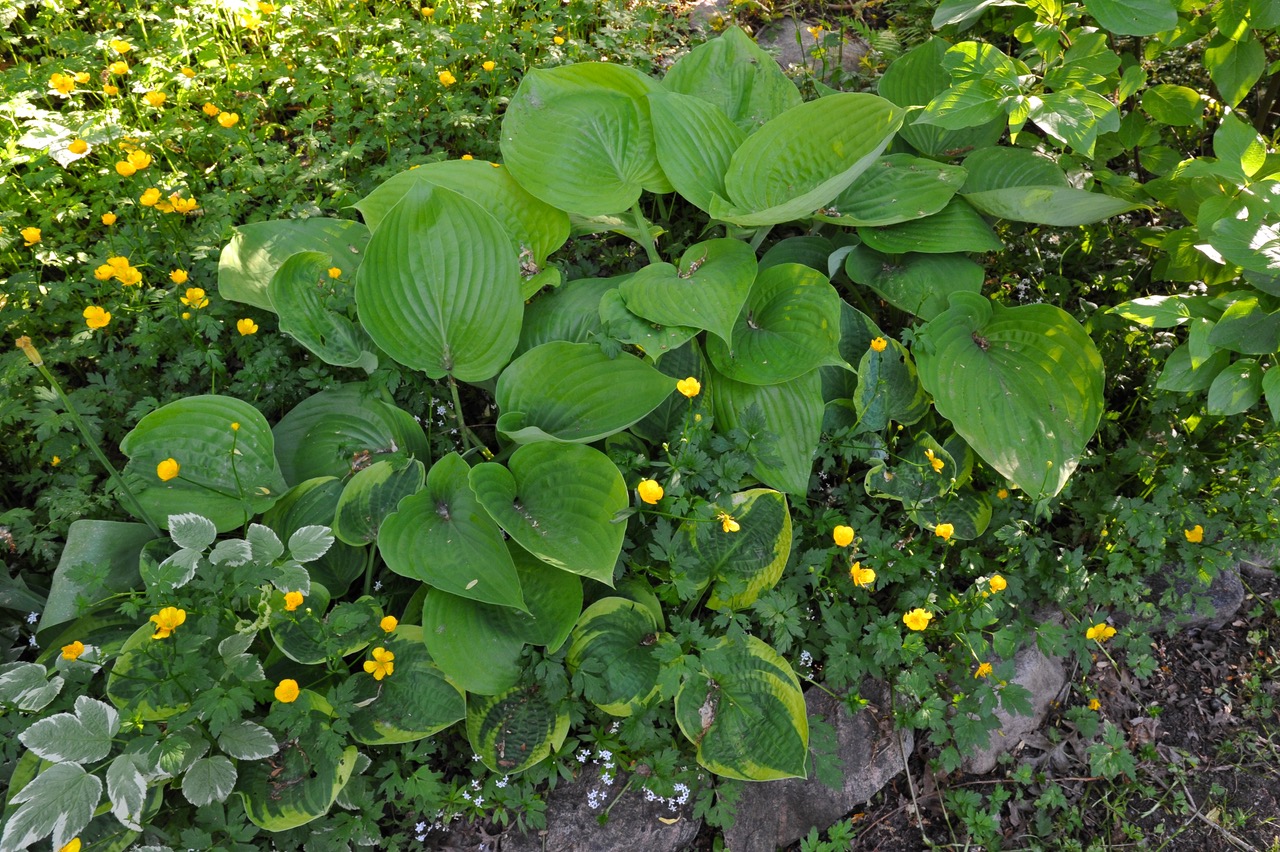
column 1135, row 17
column 515, row 730
column 571, row 313
column 1019, row 185
column 414, row 702
column 651, row 338
column 957, row 228
column 919, row 284
column 614, row 642
column 786, row 425
column 740, row 564
column 304, row 783
column 294, row 290
column 257, row 251
column 735, row 74
column 695, row 142
column 315, row 503
column 896, row 188
column 373, row 494
column 706, row 291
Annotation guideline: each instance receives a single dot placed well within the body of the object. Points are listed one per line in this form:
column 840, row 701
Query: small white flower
column 466, row 794
column 33, row 617
column 607, row 779
column 479, row 801
column 503, row 782
column 475, row 784
column 604, row 754
column 31, row 640
column 377, row 585
column 475, row 758
column 583, row 755
column 420, row 827
column 650, row 796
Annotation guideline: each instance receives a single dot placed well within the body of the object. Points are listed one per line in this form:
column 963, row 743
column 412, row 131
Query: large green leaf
column 651, row 338
column 968, row 512
column 1235, row 65
column 414, row 702
column 1019, row 185
column 310, row 634
column 889, row 389
column 1135, row 17
column 801, row 160
column 443, row 537
column 99, row 561
column 910, row 477
column 439, row 290
column 515, row 730
column 571, row 312
column 789, row 326
column 256, row 251
column 1248, row 328
column 919, row 284
column 733, row 73
column 745, row 713
column 534, row 226
column 897, row 188
column 334, row 339
column 857, row 330
column 1236, row 389
column 1249, row 234
column 679, row 364
column 227, row 475
column 958, row 228
column 1180, row 375
column 808, row 250
column 791, row 416
column 314, row 503
column 614, row 643
column 695, row 142
column 559, row 502
column 740, row 565
column 373, row 494
column 569, row 392
column 1022, row 385
column 706, row 291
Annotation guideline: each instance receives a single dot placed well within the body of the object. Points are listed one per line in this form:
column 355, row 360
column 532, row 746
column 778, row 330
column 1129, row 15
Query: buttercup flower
column 167, row 621
column 842, row 535
column 149, row 197
column 937, row 463
column 228, row 119
column 210, row 110
column 235, row 427
column 727, row 523
column 63, row 83
column 31, row 235
column 72, row 846
column 73, row 651
column 195, row 298
column 246, row 327
column 389, row 623
column 287, row 691
column 488, row 66
column 1003, row 494
column 120, row 46
column 178, row 276
column 690, row 387
column 446, row 79
column 1095, row 704
column 182, row 205
column 944, row 531
column 335, row 272
column 861, row 576
column 109, row 90
column 129, row 276
column 292, row 600
column 428, row 11
column 108, row 219
column 984, row 669
column 382, row 664
column 55, row 461
column 78, row 146
column 1100, row 632
column 167, row 469
column 1195, row 535
column 917, row 619
column 156, row 99
column 650, row 491
column 997, row 583
column 188, row 72
column 126, row 169
column 266, row 8
column 558, row 40
column 81, row 77
column 879, row 344
column 118, row 68
column 96, row 317
column 139, row 159
column 466, row 157
column 104, row 273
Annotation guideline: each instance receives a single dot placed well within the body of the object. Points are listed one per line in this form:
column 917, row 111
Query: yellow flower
column 104, row 272
column 55, row 461
column 188, row 72
column 938, row 464
column 228, row 119
column 467, row 157
column 78, row 146
column 178, row 276
column 63, row 83
column 488, row 66
column 246, row 327
column 382, row 663
column 73, row 651
column 119, row 264
column 861, row 576
column 96, row 317
column 1100, row 632
column 690, row 387
column 842, row 535
column 31, row 235
column 210, row 110
column 129, row 277
column 1095, row 704
column 1195, row 535
column 558, row 40
column 1003, row 494
column 156, row 99
column 266, row 8
column 72, row 846
column 109, row 90
column 167, row 469
column 428, row 11
column 149, row 197
column 118, row 67
column 446, row 79
column 139, row 159
column 944, row 531
column 389, row 623
column 120, row 46
column 650, row 491
column 292, row 600
column 879, row 344
column 727, row 523
column 186, row 315
column 235, row 427
column 250, row 21
column 195, row 298
column 287, row 691
column 183, row 205
column 984, row 669
column 335, row 272
column 917, row 619
column 997, row 583
column 167, row 621
column 82, row 77
column 108, row 219
column 126, row 169
column 817, row 31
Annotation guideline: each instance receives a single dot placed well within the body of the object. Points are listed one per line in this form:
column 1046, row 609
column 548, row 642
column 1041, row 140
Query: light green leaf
column 127, row 788
column 744, row 564
column 1239, row 147
column 706, row 291
column 1016, row 184
column 1271, row 387
column 1236, row 389
column 792, row 411
column 371, row 495
column 99, row 560
column 614, row 642
column 1176, row 106
column 1161, row 311
column 59, row 801
column 414, row 702
column 889, row 388
column 964, row 13
column 919, row 284
column 247, row 741
column 624, row 326
column 1235, row 66
column 897, row 188
column 695, row 142
column 295, row 291
column 256, row 251
column 958, row 228
column 973, row 103
column 28, row 686
column 1247, row 327
column 570, row 313
column 733, row 73
column 266, row 545
column 515, row 730
column 1135, row 17
column 1180, row 376
column 812, row 251
column 209, row 780
column 84, row 737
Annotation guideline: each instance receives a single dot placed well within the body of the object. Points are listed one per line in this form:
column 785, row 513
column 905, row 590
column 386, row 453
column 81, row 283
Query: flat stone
column 794, row 45
column 1043, row 677
column 710, row 15
column 773, row 814
column 1224, row 596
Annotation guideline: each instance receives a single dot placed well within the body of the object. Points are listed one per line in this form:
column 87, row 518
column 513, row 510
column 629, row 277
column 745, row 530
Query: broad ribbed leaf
column 889, row 389
column 857, row 330
column 792, row 416
column 99, row 561
column 706, row 291
column 256, row 251
column 624, row 326
column 1016, row 184
column 338, row 431
column 919, row 284
column 443, row 537
column 614, row 643
column 532, row 225
column 1250, row 238
column 1236, row 389
column 695, row 142
column 1176, row 106
column 59, row 801
column 733, row 73
column 968, row 512
column 678, row 364
column 801, row 160
column 371, row 495
column 569, row 392
column 439, row 290
column 303, row 790
column 314, row 503
column 958, row 228
column 515, row 730
column 1022, row 385
column 740, row 565
column 789, row 326
column 1134, row 17
column 558, row 501
column 571, row 312
column 897, row 188
column 745, row 713
column 909, row 477
column 227, row 475
column 295, row 290
column 414, row 702
column 812, row 251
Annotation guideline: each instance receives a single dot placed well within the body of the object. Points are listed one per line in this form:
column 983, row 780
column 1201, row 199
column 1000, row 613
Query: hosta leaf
column 678, row 364
column 571, row 313
column 414, row 702
column 439, row 290
column 227, row 475
column 911, row 478
column 651, row 338
column 328, row 334
column 314, row 503
column 706, row 291
column 919, row 284
column 515, row 730
column 958, row 228
column 740, row 565
column 558, row 501
column 59, row 801
column 1248, row 328
column 812, row 251
column 1022, row 385
column 889, row 389
column 312, row 632
column 569, row 392
column 99, row 560
column 792, row 426
column 371, row 495
column 968, row 512
column 256, row 251
column 745, row 713
column 614, row 642
column 733, row 73
column 897, row 188
column 303, row 790
column 695, row 142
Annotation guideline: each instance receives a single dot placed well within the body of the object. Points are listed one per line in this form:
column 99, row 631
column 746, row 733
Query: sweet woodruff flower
column 292, row 600
column 31, row 235
column 168, row 620
column 842, row 536
column 167, row 469
column 96, row 317
column 382, row 664
column 73, row 651
column 861, row 576
column 689, row 387
column 287, row 691
column 1100, row 632
column 917, row 619
column 650, row 491
column 246, row 327
column 195, row 298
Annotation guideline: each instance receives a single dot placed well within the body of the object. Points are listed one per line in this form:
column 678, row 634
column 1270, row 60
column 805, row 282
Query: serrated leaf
column 209, row 780
column 28, row 686
column 233, row 552
column 266, row 545
column 173, row 573
column 84, row 737
column 307, row 544
column 247, row 741
column 192, row 531
column 127, row 789
column 59, row 801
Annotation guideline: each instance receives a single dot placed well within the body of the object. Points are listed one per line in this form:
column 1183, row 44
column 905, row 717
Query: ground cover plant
column 451, row 562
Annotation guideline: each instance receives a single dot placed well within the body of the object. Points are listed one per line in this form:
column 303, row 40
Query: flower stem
column 646, row 238
column 470, row 436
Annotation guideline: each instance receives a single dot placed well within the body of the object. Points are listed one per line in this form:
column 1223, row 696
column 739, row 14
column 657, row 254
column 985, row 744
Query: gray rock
column 633, row 825
column 773, row 814
column 1224, row 596
column 1044, row 678
column 710, row 14
column 794, row 45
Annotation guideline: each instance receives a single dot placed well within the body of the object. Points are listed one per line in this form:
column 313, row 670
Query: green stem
column 760, row 234
column 368, row 570
column 470, row 436
column 646, row 239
